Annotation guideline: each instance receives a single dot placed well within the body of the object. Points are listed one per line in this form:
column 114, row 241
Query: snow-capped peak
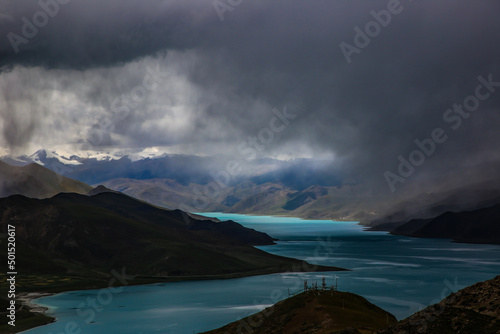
column 69, row 157
column 42, row 156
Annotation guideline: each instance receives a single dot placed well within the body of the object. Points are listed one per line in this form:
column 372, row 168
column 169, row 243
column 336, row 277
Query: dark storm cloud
column 83, row 34
column 268, row 54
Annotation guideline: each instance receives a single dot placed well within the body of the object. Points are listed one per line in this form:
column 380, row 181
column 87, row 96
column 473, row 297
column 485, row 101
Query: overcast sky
column 207, row 75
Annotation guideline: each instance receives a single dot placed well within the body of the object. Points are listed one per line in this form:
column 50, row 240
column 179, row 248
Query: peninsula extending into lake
column 74, row 242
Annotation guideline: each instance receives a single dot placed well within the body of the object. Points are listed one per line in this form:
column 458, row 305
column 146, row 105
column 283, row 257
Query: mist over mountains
column 300, row 187
column 185, row 169
column 120, row 117
column 218, row 82
column 259, row 109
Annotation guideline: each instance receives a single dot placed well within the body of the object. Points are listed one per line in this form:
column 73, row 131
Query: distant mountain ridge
column 429, row 205
column 302, row 188
column 36, row 181
column 96, row 167
column 477, row 226
column 267, row 186
column 467, row 213
column 247, row 197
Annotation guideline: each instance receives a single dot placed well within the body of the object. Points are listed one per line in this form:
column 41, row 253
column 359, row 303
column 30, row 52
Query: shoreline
column 341, row 220
column 26, row 298
column 29, row 315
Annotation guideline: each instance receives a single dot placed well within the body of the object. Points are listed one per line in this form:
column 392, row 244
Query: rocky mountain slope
column 472, row 310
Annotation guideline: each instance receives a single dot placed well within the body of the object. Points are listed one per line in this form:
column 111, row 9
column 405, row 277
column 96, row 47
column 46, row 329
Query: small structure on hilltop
column 315, row 288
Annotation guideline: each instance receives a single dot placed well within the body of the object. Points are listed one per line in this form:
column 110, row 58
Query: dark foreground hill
column 472, row 310
column 314, row 312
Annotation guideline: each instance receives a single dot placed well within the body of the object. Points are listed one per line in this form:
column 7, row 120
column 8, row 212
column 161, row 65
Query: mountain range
column 476, row 226
column 87, row 235
column 301, row 188
column 70, row 235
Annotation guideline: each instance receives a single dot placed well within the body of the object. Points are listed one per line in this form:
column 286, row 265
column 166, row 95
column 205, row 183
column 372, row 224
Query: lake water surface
column 399, row 274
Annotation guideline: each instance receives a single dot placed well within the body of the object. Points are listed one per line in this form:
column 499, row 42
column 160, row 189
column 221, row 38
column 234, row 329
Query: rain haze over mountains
column 261, row 80
column 200, row 155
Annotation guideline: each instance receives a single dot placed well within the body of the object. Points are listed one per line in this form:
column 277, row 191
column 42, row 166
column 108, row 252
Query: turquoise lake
column 399, row 274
